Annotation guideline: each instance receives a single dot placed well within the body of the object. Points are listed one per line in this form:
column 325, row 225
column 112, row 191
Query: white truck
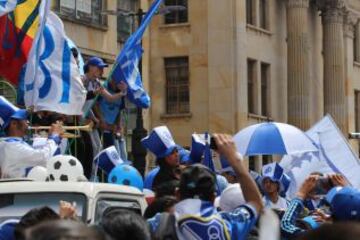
column 18, row 196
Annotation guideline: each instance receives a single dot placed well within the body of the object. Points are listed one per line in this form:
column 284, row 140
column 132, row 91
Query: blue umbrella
column 272, row 138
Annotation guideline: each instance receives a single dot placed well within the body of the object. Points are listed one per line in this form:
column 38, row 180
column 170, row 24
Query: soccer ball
column 124, row 174
column 64, row 168
column 38, row 173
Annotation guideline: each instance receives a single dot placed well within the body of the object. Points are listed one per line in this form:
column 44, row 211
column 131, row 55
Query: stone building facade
column 229, row 64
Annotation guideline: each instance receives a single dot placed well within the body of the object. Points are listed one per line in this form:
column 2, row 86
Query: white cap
column 231, row 198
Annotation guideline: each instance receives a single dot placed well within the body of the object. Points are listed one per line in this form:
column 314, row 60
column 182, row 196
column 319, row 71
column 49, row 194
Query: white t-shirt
column 281, row 203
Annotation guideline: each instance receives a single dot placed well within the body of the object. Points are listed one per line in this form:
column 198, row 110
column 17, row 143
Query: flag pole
column 38, row 44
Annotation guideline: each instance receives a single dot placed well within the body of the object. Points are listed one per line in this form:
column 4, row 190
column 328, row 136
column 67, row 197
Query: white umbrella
column 272, row 138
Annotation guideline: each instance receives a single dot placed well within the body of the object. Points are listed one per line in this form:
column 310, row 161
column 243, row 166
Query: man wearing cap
column 94, row 69
column 17, row 155
column 339, row 209
column 195, row 214
column 272, row 186
column 161, row 143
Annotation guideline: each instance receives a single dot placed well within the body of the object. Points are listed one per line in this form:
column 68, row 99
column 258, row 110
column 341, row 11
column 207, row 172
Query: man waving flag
column 126, row 66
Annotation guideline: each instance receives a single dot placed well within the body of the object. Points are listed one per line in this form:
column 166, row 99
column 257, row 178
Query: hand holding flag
column 126, row 66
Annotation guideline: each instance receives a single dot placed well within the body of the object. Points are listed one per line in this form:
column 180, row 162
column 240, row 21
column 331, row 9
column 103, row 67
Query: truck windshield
column 14, row 206
column 103, row 205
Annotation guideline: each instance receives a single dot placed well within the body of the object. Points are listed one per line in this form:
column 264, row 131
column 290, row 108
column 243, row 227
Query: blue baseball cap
column 330, row 195
column 97, row 62
column 8, row 111
column 345, row 204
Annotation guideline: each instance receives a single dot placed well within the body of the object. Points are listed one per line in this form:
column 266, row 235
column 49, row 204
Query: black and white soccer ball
column 65, row 168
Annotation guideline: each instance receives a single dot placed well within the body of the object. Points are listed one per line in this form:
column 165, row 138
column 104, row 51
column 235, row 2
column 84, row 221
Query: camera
column 323, row 185
column 213, row 143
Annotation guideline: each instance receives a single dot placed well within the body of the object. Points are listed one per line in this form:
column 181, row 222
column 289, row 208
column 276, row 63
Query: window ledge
column 259, row 117
column 356, row 63
column 92, row 25
column 174, row 25
column 258, row 30
column 176, row 115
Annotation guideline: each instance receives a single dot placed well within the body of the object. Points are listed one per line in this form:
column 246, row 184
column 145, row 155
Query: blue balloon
column 126, row 175
column 149, row 178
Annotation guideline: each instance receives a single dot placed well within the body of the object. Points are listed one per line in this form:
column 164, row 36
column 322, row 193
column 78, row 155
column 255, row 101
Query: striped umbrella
column 270, row 138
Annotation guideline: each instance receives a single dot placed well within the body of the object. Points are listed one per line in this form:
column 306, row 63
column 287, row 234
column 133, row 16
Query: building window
column 126, row 20
column 357, row 114
column 84, row 11
column 251, row 71
column 263, row 14
column 264, row 89
column 252, row 163
column 176, row 16
column 357, row 43
column 177, row 85
column 266, row 159
column 357, row 111
column 250, row 10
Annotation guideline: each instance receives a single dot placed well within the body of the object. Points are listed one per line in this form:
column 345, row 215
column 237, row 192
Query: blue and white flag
column 126, row 66
column 7, row 6
column 197, row 147
column 52, row 78
column 208, row 161
column 81, row 61
column 334, row 156
column 107, row 159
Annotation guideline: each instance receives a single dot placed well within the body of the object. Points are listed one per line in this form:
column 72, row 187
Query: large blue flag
column 126, row 66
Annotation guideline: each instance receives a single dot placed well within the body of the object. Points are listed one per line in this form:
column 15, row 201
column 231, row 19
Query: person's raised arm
column 226, row 147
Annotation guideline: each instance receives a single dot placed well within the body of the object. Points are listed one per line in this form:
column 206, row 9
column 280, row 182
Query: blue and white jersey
column 17, row 156
column 200, row 220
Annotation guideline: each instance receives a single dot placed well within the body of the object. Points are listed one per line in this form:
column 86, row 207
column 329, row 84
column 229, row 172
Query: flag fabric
column 197, row 147
column 107, row 159
column 335, row 156
column 52, row 78
column 7, row 6
column 208, row 162
column 126, row 66
column 81, row 61
column 19, row 22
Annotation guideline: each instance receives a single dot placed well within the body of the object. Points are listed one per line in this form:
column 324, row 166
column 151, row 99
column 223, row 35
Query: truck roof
column 88, row 188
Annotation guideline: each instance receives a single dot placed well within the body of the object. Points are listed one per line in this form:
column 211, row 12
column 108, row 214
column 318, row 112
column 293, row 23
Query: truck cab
column 18, row 196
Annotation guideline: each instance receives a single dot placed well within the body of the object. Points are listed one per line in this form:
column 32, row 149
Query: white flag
column 52, row 78
column 7, row 6
column 335, row 156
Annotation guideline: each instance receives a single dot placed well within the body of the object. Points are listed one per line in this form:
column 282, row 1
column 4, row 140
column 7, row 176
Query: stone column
column 298, row 63
column 333, row 12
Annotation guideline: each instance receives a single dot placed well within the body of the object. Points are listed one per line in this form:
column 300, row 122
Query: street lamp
column 139, row 132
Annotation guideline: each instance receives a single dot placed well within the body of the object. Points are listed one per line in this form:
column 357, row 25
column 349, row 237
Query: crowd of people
column 190, row 200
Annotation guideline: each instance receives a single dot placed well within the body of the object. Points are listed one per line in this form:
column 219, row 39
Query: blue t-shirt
column 110, row 110
column 198, row 219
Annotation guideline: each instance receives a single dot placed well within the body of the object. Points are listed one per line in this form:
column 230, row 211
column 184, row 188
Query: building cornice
column 350, row 22
column 332, row 11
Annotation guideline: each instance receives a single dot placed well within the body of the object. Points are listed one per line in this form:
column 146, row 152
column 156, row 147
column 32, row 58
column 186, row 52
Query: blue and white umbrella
column 272, row 138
